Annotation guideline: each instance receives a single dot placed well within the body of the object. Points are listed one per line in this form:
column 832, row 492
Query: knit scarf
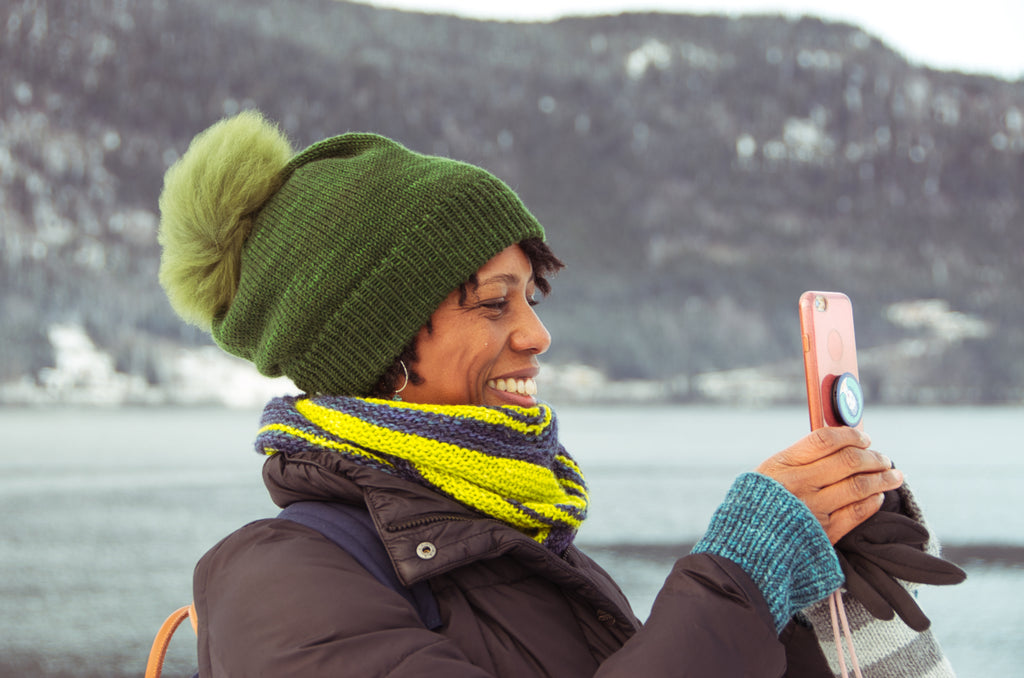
column 505, row 462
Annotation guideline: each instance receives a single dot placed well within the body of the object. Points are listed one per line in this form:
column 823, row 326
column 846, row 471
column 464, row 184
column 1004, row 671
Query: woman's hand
column 836, row 475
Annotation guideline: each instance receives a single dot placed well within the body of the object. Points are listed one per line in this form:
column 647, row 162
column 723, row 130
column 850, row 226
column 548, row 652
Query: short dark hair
column 544, row 263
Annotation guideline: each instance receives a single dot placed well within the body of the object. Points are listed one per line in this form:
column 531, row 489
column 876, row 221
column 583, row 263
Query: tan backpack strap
column 158, row 652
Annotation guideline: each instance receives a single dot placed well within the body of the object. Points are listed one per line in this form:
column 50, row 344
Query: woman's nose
column 530, row 334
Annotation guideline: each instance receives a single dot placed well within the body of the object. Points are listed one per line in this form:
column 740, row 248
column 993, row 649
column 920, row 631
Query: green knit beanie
column 324, row 266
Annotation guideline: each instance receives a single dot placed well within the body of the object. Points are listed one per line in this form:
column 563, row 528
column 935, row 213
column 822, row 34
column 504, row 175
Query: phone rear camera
column 820, row 303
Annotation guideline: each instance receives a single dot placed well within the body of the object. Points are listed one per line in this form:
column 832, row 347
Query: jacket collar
column 426, row 533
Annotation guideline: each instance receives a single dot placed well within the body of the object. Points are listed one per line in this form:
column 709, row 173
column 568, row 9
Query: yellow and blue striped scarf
column 505, row 462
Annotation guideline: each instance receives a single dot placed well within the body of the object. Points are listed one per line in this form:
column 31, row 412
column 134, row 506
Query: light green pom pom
column 206, row 209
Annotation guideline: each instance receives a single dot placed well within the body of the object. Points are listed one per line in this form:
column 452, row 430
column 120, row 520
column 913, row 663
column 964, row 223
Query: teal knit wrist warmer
column 775, row 538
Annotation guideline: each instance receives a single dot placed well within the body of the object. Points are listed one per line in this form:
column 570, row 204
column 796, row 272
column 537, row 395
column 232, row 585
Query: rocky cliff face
column 696, row 172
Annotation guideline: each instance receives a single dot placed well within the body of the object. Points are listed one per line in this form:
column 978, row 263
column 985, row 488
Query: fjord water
column 107, row 510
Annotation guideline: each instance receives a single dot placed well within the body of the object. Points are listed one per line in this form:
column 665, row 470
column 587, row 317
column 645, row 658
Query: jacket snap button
column 426, row 550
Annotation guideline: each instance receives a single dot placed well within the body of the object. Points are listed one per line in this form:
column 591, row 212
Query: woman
column 396, row 290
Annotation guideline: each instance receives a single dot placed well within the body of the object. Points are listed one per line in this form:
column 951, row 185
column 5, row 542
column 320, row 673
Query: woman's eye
column 495, row 304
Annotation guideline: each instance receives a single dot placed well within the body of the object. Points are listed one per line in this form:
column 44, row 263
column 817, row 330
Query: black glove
column 889, row 545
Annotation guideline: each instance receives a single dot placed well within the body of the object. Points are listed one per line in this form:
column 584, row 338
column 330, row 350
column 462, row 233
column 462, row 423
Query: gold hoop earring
column 396, row 396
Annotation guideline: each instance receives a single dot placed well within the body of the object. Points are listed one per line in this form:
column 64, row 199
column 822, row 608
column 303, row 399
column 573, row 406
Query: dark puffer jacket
column 276, row 598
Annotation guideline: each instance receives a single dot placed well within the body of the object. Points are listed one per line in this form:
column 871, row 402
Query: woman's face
column 484, row 351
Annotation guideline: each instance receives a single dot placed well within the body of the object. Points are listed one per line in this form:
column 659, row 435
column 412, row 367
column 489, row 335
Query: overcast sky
column 980, row 36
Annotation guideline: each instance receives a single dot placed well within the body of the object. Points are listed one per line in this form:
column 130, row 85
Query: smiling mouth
column 521, row 386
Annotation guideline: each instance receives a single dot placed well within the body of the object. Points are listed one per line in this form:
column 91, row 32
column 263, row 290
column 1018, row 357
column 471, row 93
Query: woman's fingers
column 822, row 443
column 844, row 467
column 858, row 488
column 839, row 523
column 822, row 458
column 844, row 505
column 832, row 471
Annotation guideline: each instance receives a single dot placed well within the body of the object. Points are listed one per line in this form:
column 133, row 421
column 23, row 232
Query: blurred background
column 697, row 172
column 697, row 165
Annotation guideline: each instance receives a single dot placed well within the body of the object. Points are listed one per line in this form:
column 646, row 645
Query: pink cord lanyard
column 836, row 607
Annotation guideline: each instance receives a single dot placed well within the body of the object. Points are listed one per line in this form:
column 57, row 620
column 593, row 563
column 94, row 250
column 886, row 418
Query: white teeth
column 526, row 386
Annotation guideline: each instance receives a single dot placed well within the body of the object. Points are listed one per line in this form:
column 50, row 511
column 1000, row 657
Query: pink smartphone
column 834, row 393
